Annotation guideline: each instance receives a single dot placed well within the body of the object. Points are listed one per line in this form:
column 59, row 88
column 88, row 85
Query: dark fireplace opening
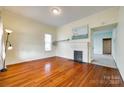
column 78, row 56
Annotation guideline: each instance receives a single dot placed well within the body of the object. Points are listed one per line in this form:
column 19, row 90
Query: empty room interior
column 61, row 46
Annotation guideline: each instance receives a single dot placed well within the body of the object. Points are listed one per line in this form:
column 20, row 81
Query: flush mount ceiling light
column 55, row 10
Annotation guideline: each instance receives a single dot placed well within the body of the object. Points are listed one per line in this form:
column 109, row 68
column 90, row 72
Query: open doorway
column 103, row 45
column 107, row 46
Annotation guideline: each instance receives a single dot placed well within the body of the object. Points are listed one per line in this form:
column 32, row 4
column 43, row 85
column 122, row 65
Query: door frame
column 90, row 44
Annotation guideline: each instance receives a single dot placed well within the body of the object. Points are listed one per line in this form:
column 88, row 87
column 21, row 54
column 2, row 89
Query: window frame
column 47, row 42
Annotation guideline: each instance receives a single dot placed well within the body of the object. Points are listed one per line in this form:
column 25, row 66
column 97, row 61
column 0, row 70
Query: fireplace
column 78, row 56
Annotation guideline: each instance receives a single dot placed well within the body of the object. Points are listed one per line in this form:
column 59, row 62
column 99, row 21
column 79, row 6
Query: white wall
column 1, row 43
column 114, row 42
column 120, row 43
column 98, row 37
column 27, row 38
column 107, row 17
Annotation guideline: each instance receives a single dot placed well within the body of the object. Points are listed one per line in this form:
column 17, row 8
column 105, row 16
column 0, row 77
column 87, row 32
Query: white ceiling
column 43, row 15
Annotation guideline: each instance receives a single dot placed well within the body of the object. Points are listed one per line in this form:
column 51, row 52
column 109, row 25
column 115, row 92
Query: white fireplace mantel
column 81, row 45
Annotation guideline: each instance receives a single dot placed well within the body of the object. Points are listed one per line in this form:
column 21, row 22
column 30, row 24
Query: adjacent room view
column 61, row 46
column 103, row 45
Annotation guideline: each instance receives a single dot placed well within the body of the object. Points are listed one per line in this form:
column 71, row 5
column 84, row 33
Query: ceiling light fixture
column 8, row 31
column 55, row 10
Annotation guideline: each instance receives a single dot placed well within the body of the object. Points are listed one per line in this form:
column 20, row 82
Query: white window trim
column 49, row 42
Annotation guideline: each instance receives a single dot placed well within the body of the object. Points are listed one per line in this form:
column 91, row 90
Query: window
column 48, row 42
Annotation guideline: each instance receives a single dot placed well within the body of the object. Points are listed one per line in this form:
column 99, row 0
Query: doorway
column 107, row 46
column 103, row 45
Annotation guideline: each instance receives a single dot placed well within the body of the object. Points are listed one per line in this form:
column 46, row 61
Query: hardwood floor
column 59, row 72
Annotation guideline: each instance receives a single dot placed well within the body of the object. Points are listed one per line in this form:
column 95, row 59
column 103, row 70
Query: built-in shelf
column 55, row 42
column 62, row 40
column 72, row 41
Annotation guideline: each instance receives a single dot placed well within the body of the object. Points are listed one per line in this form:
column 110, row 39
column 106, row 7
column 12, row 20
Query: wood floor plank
column 59, row 72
